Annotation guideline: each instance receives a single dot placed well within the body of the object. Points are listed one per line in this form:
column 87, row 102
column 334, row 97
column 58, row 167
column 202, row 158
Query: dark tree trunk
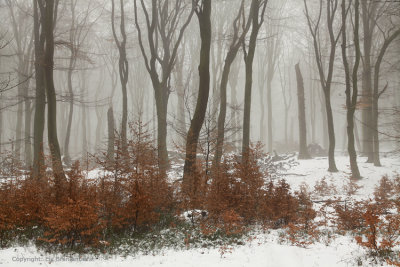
column 257, row 20
column 331, row 133
column 204, row 17
column 48, row 27
column 351, row 97
column 367, row 113
column 230, row 57
column 162, row 105
column 326, row 75
column 123, row 71
column 303, row 151
column 40, row 95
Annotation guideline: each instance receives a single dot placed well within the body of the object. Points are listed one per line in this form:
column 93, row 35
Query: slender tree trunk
column 331, row 133
column 18, row 126
column 27, row 115
column 229, row 59
column 312, row 110
column 123, row 68
column 67, row 157
column 324, row 123
column 367, row 113
column 351, row 97
column 204, row 17
column 99, row 127
column 40, row 96
column 270, row 115
column 58, row 171
column 249, row 57
column 303, row 151
column 111, row 137
column 28, row 143
column 357, row 136
column 1, row 123
column 235, row 118
column 181, row 97
column 377, row 94
column 85, row 133
column 222, row 110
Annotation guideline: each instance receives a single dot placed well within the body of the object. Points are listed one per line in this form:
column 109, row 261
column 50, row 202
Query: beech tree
column 351, row 83
column 123, row 67
column 257, row 18
column 380, row 29
column 163, row 39
column 23, row 48
column 326, row 73
column 45, row 17
column 303, row 152
column 237, row 40
column 202, row 9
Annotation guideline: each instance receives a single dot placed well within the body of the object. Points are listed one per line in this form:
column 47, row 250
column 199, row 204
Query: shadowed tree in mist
column 162, row 24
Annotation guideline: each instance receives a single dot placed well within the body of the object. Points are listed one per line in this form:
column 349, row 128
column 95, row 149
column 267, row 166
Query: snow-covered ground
column 261, row 249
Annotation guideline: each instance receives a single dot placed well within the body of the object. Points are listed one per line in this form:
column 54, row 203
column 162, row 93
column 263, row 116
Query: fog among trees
column 198, row 81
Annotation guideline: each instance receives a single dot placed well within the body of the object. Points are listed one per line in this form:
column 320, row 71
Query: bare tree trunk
column 40, row 95
column 303, row 151
column 48, row 26
column 234, row 113
column 123, row 71
column 111, row 137
column 28, row 143
column 351, row 97
column 99, row 127
column 84, row 120
column 204, row 16
column 331, row 134
column 1, row 123
column 257, row 20
column 312, row 108
column 269, row 106
column 357, row 137
column 326, row 75
column 67, row 157
column 377, row 94
column 230, row 57
column 18, row 126
column 160, row 60
column 368, row 14
column 180, row 88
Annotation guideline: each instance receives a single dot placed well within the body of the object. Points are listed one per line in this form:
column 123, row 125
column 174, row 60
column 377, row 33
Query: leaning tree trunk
column 303, row 152
column 204, row 17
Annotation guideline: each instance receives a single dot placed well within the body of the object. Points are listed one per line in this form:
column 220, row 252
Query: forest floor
column 260, row 247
